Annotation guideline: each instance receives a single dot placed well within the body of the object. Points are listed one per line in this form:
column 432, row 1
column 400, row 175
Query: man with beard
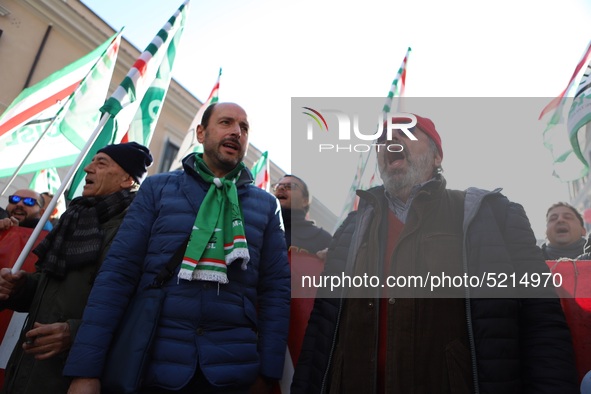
column 25, row 208
column 69, row 257
column 565, row 231
column 224, row 323
column 376, row 340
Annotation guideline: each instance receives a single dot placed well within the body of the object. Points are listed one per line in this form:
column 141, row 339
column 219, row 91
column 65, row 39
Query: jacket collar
column 376, row 195
column 245, row 177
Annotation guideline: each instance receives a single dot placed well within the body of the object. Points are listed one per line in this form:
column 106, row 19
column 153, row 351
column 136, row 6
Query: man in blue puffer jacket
column 220, row 329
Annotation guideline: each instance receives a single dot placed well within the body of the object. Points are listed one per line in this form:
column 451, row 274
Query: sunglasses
column 285, row 186
column 28, row 201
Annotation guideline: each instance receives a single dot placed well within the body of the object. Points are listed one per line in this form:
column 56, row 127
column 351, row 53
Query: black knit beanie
column 131, row 156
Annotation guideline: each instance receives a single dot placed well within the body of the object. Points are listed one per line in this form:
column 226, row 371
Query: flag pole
column 68, row 178
column 396, row 91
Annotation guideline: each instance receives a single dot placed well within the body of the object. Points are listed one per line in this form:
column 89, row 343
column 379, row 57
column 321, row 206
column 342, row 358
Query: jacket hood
column 472, row 202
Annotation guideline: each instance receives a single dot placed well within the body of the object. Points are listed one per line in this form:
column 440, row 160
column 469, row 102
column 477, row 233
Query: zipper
column 467, row 292
column 334, row 343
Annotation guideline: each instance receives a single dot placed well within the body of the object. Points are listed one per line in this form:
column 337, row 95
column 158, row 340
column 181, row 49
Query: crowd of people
column 225, row 321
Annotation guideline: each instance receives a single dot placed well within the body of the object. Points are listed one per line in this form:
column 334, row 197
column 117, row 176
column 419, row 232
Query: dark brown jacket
column 454, row 345
column 51, row 300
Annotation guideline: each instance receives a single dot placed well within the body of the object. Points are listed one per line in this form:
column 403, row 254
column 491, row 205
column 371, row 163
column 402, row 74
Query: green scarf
column 218, row 237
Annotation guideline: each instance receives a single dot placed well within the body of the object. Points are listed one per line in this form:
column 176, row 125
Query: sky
column 273, row 51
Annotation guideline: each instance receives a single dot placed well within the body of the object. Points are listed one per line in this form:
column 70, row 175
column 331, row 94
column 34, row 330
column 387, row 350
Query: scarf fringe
column 240, row 253
column 210, row 276
column 185, row 274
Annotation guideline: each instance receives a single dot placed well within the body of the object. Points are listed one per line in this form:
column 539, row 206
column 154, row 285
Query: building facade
column 39, row 37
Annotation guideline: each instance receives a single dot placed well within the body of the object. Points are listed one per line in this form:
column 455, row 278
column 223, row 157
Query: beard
column 222, row 161
column 399, row 182
column 21, row 212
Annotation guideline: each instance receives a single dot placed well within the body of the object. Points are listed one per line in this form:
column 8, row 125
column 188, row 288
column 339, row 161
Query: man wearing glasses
column 300, row 234
column 25, row 208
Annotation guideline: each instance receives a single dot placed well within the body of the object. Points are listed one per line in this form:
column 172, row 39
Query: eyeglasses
column 285, row 186
column 28, row 201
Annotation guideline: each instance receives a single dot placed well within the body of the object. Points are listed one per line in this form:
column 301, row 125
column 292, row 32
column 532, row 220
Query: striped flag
column 561, row 136
column 578, row 117
column 359, row 180
column 44, row 99
column 261, row 172
column 60, row 146
column 190, row 143
column 559, row 101
column 135, row 105
column 398, row 84
column 46, row 180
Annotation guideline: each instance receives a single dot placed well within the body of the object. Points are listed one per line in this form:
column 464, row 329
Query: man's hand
column 321, row 254
column 85, row 386
column 7, row 223
column 10, row 283
column 47, row 340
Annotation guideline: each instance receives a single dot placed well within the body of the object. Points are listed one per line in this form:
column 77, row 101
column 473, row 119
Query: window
column 170, row 151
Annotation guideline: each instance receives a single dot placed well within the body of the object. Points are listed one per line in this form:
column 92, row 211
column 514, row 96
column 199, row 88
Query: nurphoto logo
column 380, row 138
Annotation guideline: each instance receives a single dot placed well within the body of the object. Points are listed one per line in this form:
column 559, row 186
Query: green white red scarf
column 218, row 236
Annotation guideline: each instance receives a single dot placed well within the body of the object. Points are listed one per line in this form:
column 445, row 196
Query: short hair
column 567, row 205
column 207, row 115
column 48, row 194
column 305, row 190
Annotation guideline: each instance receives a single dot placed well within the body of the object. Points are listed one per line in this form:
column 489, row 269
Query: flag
column 44, row 99
column 561, row 136
column 47, row 180
column 555, row 103
column 261, row 172
column 398, row 84
column 579, row 115
column 359, row 180
column 190, row 143
column 70, row 124
column 134, row 107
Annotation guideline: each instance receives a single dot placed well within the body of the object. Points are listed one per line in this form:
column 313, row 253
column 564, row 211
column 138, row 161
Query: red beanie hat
column 426, row 125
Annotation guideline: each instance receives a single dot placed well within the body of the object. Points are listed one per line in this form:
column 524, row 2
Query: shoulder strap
column 168, row 271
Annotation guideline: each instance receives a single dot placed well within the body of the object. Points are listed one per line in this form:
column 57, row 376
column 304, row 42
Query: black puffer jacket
column 303, row 235
column 518, row 344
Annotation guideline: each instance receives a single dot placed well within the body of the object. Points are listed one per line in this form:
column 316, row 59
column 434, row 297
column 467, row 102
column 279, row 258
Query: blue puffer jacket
column 234, row 332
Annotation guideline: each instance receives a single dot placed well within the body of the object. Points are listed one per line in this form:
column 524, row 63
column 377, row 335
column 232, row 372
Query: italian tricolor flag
column 133, row 109
column 50, row 133
column 261, row 172
column 45, row 99
column 190, row 143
